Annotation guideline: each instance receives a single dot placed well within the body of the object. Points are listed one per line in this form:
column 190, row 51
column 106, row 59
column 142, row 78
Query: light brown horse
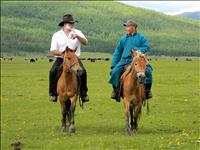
column 133, row 91
column 68, row 87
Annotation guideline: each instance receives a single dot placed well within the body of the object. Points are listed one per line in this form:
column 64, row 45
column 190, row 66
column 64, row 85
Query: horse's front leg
column 72, row 110
column 64, row 113
column 131, row 114
column 127, row 115
column 137, row 113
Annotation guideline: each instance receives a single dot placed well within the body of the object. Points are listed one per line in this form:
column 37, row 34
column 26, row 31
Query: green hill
column 191, row 15
column 28, row 26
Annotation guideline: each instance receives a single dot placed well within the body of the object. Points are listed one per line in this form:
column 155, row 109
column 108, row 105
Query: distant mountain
column 191, row 15
column 29, row 26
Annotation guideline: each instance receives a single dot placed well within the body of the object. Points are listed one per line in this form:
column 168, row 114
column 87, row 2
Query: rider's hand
column 73, row 36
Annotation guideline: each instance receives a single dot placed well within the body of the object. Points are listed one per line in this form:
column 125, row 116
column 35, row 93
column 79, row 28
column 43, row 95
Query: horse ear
column 145, row 57
column 67, row 49
column 135, row 53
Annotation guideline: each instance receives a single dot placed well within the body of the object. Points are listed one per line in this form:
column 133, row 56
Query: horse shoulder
column 60, row 84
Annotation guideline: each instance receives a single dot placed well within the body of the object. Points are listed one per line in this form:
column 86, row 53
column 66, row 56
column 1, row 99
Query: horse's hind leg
column 64, row 112
column 127, row 115
column 135, row 125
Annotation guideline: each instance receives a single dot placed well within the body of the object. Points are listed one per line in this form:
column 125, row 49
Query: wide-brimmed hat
column 68, row 18
column 130, row 23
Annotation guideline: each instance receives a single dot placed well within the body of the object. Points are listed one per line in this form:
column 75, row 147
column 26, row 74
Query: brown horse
column 133, row 91
column 68, row 87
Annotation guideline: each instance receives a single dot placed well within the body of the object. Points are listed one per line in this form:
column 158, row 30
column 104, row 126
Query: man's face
column 69, row 26
column 130, row 29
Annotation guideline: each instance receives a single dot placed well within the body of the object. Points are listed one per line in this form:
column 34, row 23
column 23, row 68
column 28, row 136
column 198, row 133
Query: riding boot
column 115, row 94
column 148, row 93
column 53, row 79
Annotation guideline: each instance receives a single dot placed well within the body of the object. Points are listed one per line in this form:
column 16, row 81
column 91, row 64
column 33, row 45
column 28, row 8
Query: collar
column 133, row 34
column 62, row 32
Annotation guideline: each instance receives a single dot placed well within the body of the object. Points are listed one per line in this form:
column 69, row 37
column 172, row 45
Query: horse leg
column 72, row 110
column 137, row 113
column 127, row 115
column 131, row 114
column 135, row 125
column 68, row 104
column 64, row 112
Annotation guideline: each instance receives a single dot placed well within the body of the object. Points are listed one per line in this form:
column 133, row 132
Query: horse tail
column 140, row 113
column 144, row 103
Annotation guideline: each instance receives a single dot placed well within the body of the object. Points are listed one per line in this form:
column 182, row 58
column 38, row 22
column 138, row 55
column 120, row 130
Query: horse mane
column 67, row 49
column 127, row 71
column 141, row 56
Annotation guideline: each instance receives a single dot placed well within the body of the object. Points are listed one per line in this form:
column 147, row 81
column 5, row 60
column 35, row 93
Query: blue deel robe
column 123, row 56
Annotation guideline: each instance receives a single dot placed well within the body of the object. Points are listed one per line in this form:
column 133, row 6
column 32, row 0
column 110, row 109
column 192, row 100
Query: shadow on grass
column 116, row 130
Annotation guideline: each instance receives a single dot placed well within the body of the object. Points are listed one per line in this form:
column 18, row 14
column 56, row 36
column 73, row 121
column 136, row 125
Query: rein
column 73, row 65
column 79, row 83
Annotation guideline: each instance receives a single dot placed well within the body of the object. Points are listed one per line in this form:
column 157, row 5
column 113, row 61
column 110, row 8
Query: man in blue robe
column 122, row 56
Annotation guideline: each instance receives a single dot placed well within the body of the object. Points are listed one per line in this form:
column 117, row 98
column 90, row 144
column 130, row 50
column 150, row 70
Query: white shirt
column 60, row 41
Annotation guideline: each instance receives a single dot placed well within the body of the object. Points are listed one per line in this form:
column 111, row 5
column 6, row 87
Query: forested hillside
column 191, row 15
column 28, row 26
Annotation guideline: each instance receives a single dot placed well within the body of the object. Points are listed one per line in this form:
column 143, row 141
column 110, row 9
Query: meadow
column 28, row 116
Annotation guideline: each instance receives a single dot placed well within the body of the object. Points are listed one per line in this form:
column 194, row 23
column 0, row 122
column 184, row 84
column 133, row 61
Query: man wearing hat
column 72, row 38
column 122, row 56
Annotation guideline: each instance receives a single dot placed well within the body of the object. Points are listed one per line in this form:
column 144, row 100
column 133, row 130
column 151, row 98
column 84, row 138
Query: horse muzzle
column 141, row 77
column 79, row 72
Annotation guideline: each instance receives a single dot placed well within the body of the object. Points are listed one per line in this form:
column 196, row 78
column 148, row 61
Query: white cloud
column 167, row 7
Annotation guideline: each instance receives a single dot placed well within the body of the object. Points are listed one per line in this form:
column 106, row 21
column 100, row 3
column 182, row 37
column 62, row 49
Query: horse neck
column 68, row 77
column 133, row 78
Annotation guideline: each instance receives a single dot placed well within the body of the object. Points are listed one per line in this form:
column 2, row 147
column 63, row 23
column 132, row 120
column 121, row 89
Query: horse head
column 139, row 65
column 71, row 61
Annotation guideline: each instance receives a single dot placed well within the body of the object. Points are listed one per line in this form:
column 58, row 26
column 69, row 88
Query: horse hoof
column 127, row 132
column 71, row 129
column 63, row 129
column 134, row 131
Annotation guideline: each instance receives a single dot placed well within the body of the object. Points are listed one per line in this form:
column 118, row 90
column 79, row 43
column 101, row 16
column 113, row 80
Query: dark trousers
column 54, row 76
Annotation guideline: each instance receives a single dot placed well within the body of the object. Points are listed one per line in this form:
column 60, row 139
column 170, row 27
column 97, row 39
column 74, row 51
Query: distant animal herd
column 91, row 59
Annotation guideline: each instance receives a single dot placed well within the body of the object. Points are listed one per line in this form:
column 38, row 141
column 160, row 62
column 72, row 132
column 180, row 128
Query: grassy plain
column 28, row 116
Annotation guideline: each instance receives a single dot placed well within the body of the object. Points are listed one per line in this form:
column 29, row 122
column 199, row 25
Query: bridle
column 73, row 65
column 133, row 62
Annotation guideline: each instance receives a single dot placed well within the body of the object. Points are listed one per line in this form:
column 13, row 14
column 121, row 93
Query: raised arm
column 80, row 36
column 144, row 46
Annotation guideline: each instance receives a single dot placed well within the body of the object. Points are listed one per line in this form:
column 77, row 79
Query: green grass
column 28, row 116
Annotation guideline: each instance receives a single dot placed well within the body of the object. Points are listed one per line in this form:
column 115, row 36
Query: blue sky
column 167, row 7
